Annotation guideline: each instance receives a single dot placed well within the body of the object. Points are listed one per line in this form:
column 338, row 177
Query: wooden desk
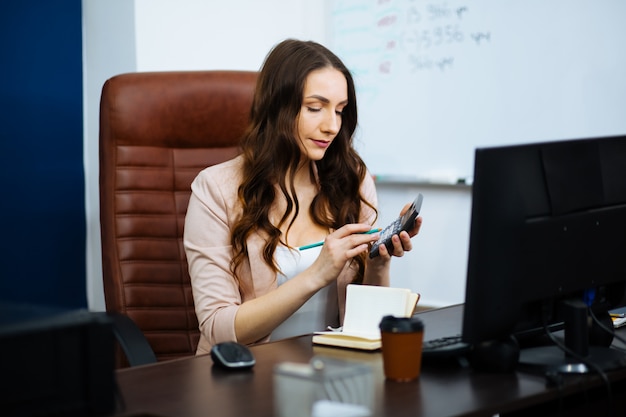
column 193, row 388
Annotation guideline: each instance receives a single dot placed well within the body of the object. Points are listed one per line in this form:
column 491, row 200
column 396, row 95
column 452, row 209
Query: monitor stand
column 543, row 359
column 576, row 331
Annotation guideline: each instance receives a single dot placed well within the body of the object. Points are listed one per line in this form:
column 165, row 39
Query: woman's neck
column 303, row 177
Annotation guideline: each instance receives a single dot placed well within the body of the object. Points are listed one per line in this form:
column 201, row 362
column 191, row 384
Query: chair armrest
column 132, row 341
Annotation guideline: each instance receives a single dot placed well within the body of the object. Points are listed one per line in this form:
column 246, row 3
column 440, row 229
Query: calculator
column 404, row 222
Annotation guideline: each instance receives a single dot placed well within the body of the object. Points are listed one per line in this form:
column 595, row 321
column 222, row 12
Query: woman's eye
column 313, row 109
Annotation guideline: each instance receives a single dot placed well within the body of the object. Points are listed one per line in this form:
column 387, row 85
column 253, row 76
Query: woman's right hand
column 339, row 248
column 258, row 317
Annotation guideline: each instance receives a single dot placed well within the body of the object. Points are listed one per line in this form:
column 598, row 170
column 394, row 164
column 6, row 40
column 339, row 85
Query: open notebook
column 366, row 305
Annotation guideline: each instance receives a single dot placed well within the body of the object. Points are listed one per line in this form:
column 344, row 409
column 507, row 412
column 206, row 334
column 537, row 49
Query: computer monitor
column 548, row 235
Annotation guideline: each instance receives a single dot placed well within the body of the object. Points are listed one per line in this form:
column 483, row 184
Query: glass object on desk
column 323, row 387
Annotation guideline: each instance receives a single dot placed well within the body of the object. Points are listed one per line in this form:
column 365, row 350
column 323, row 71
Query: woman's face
column 324, row 98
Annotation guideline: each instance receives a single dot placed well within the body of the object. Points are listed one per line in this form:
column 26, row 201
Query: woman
column 297, row 181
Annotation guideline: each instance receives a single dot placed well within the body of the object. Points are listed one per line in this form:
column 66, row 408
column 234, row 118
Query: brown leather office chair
column 157, row 131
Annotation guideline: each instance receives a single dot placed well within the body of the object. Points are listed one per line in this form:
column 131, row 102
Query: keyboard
column 449, row 346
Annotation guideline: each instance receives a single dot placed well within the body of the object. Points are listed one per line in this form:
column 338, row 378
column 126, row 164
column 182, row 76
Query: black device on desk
column 232, row 356
column 404, row 222
column 547, row 245
column 55, row 362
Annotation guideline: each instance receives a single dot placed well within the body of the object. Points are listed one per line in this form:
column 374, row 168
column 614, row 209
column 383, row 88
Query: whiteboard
column 436, row 79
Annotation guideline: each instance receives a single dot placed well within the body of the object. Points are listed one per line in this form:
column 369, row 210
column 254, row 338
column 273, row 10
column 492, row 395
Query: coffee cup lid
column 400, row 324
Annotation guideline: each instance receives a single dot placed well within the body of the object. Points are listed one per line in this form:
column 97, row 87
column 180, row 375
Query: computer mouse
column 232, row 355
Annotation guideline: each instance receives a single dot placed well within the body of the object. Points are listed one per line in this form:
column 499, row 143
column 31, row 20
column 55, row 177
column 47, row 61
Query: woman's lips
column 321, row 143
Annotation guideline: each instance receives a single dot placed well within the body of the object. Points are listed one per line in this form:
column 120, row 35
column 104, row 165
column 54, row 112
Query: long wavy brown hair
column 271, row 153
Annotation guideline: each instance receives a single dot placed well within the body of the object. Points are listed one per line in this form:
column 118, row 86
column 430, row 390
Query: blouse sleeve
column 207, row 245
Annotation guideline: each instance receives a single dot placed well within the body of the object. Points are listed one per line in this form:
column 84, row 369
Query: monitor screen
column 56, row 362
column 548, row 226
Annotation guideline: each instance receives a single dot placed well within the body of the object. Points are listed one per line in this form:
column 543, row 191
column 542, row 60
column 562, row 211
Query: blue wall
column 42, row 215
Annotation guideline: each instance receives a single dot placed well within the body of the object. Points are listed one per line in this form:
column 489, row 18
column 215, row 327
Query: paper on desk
column 618, row 321
column 367, row 304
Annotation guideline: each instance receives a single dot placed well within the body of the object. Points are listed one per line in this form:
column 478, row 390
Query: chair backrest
column 157, row 131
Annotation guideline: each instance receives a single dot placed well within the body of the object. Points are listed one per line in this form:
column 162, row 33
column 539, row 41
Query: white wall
column 436, row 266
column 209, row 34
column 108, row 49
column 150, row 35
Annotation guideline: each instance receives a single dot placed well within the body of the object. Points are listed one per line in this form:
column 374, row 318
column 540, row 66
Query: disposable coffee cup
column 402, row 339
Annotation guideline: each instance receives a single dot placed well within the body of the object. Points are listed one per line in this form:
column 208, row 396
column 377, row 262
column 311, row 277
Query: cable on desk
column 587, row 363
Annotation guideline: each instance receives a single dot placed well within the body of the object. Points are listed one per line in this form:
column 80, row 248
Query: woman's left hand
column 402, row 241
column 377, row 271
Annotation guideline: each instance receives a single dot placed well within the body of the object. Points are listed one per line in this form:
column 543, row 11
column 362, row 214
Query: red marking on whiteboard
column 387, row 21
